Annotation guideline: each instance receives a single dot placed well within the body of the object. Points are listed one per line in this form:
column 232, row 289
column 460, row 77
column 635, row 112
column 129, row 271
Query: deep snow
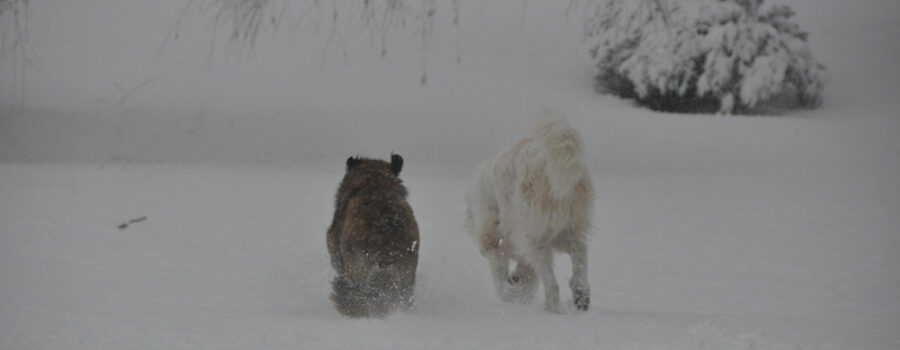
column 712, row 232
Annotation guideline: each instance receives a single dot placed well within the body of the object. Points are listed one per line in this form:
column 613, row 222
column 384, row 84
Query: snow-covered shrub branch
column 681, row 55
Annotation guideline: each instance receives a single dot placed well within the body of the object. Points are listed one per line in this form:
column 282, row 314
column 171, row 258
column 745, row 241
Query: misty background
column 711, row 231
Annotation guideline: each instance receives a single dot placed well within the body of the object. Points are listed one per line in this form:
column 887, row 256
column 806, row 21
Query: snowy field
column 712, row 232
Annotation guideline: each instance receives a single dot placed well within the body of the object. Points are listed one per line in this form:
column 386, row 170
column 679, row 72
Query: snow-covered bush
column 686, row 54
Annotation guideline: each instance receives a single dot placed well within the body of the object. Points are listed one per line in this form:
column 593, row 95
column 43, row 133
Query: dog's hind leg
column 494, row 249
column 523, row 282
column 581, row 290
column 500, row 272
column 541, row 259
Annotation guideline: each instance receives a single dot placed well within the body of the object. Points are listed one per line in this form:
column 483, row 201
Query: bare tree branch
column 15, row 52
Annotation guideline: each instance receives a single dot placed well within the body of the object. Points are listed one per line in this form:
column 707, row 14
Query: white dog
column 529, row 201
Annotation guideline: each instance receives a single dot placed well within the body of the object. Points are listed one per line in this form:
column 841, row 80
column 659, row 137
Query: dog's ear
column 352, row 162
column 396, row 164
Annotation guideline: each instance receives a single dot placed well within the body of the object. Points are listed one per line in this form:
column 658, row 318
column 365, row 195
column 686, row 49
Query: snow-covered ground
column 712, row 232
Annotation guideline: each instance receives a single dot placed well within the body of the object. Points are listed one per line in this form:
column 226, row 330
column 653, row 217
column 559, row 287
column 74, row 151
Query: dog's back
column 552, row 178
column 373, row 240
column 544, row 176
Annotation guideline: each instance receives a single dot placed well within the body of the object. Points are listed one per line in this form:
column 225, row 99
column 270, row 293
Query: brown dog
column 373, row 240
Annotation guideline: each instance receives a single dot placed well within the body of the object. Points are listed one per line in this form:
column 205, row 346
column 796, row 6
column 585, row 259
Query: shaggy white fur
column 529, row 201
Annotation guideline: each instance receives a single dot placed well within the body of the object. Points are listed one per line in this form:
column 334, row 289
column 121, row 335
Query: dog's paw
column 582, row 300
column 515, row 280
column 520, row 288
column 520, row 277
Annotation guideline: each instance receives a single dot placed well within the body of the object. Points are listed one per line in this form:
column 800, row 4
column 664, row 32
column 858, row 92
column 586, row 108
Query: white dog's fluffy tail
column 564, row 167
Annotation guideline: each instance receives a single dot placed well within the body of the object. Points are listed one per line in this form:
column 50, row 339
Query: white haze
column 712, row 232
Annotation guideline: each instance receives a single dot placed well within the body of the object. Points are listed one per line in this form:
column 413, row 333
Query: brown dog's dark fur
column 373, row 240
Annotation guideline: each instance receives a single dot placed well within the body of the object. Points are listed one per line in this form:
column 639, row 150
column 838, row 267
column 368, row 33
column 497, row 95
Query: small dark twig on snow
column 124, row 225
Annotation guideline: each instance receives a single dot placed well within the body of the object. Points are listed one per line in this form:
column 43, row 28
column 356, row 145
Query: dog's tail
column 565, row 166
